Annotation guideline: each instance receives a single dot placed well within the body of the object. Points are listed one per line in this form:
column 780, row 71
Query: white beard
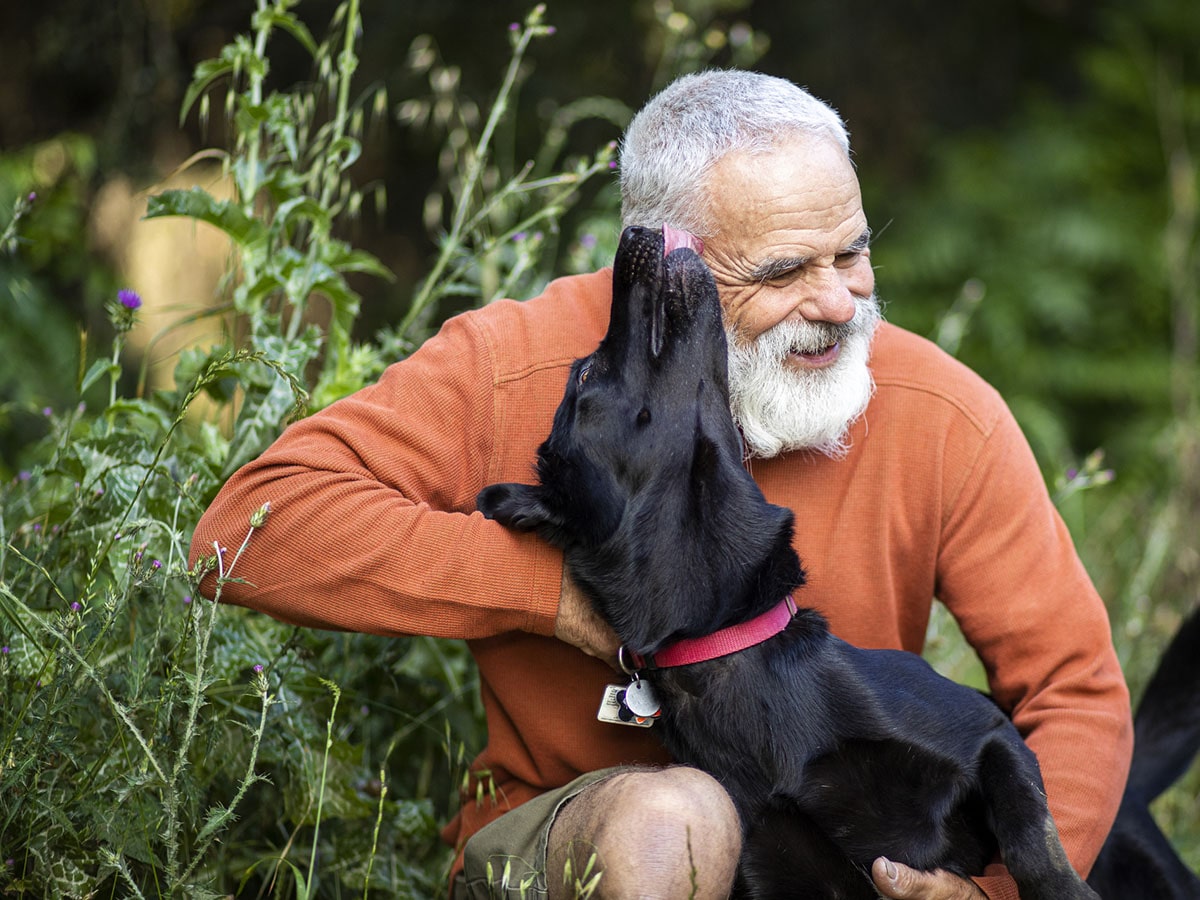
column 779, row 408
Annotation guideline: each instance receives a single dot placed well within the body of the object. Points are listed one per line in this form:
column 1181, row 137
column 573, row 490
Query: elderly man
column 908, row 475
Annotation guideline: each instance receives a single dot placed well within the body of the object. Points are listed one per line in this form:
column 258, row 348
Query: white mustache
column 800, row 336
column 779, row 408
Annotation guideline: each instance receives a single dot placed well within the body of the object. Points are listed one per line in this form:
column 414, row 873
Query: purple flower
column 75, row 607
column 129, row 299
column 47, row 411
column 258, row 668
column 187, row 598
column 156, row 564
column 32, row 198
column 24, row 475
column 4, row 651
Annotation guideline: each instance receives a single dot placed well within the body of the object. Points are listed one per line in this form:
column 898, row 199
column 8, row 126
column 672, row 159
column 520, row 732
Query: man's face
column 792, row 266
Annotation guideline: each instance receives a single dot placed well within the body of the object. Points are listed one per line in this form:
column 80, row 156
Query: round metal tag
column 640, row 699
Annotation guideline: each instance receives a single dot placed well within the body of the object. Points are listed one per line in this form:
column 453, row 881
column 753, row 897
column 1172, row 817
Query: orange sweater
column 373, row 529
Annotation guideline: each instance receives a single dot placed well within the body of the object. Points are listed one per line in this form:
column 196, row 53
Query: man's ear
column 518, row 506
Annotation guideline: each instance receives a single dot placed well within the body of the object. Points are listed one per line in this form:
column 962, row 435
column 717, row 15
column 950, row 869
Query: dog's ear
column 518, row 506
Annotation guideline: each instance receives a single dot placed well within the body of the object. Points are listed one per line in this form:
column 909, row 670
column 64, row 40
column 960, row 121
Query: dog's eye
column 583, row 371
column 643, row 416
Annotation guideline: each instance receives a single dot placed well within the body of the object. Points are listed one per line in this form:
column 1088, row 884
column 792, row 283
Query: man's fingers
column 578, row 624
column 899, row 882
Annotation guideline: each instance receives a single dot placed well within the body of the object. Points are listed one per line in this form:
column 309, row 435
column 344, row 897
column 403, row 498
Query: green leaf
column 158, row 416
column 16, row 613
column 301, row 890
column 265, row 413
column 206, row 73
column 343, row 153
column 98, row 370
column 301, row 207
column 289, row 23
column 197, row 203
column 339, row 256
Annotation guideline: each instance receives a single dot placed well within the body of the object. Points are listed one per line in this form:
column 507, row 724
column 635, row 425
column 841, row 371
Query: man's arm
column 1009, row 573
column 371, row 526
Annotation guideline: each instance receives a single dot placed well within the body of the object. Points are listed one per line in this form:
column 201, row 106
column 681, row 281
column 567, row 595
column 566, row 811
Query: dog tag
column 614, row 710
column 640, row 699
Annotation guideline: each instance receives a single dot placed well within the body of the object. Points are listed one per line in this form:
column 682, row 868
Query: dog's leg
column 1025, row 832
column 787, row 856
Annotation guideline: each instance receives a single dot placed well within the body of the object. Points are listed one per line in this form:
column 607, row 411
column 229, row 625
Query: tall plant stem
column 462, row 206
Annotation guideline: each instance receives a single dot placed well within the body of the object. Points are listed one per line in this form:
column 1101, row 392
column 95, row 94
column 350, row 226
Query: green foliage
column 291, row 184
column 43, row 256
column 155, row 746
column 495, row 221
column 1059, row 226
column 1059, row 256
column 151, row 745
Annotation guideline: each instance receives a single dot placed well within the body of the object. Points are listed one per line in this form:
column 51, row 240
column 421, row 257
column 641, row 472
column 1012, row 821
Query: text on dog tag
column 614, row 710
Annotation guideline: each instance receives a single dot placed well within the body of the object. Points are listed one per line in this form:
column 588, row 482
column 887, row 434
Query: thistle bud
column 258, row 518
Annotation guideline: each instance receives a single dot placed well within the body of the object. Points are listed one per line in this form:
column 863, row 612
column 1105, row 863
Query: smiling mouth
column 824, row 356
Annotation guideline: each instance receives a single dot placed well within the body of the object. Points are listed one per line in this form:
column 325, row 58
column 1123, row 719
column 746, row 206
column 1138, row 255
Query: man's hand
column 902, row 883
column 577, row 624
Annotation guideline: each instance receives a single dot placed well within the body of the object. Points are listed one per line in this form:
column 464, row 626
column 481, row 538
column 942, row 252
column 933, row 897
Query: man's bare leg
column 655, row 834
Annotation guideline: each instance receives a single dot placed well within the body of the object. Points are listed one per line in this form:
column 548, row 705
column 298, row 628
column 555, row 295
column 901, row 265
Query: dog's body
column 1137, row 861
column 833, row 755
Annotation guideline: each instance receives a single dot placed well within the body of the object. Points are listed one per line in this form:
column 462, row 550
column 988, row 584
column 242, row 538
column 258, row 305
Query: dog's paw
column 518, row 506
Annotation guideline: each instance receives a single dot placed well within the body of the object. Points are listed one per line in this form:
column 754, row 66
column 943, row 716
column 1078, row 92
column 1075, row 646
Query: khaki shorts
column 507, row 859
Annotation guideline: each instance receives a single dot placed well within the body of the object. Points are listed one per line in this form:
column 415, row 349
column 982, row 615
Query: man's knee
column 657, row 833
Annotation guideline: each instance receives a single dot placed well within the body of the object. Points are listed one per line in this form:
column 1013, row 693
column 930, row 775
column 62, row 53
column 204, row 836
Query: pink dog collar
column 721, row 643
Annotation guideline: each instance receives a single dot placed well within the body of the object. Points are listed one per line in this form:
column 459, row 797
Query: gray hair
column 683, row 131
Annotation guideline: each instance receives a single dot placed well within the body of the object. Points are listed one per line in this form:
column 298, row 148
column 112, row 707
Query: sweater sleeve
column 1009, row 573
column 372, row 525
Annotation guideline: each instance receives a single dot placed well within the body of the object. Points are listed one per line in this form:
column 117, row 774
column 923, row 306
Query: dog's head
column 641, row 480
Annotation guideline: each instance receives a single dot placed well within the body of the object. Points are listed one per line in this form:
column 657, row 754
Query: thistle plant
column 107, row 672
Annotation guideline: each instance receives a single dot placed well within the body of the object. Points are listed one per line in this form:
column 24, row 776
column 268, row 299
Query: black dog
column 849, row 754
column 1137, row 861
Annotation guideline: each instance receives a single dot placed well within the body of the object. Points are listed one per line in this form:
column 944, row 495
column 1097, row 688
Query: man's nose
column 826, row 296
